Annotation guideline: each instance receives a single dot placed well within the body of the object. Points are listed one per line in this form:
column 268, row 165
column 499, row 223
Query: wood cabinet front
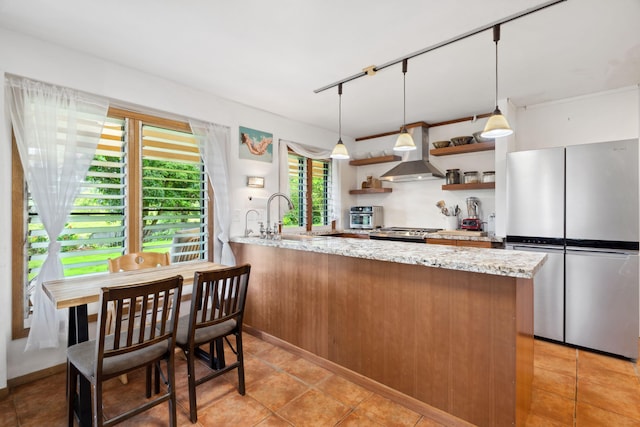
column 465, row 243
column 458, row 341
column 353, row 235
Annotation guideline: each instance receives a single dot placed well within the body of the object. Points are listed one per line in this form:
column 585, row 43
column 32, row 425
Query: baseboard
column 359, row 379
column 4, row 392
column 34, row 376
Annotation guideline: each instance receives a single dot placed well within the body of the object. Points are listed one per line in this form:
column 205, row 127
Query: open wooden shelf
column 460, row 149
column 371, row 190
column 374, row 160
column 476, row 186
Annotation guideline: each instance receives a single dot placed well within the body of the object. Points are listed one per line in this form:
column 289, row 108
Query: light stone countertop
column 494, row 239
column 478, row 260
column 444, row 235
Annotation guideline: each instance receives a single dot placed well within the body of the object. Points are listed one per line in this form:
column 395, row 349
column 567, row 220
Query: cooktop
column 407, row 234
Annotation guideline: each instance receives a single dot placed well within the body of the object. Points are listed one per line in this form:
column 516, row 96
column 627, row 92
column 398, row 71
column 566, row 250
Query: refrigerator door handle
column 600, row 252
column 537, row 248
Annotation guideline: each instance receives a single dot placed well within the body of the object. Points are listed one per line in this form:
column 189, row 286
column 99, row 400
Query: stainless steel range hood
column 415, row 170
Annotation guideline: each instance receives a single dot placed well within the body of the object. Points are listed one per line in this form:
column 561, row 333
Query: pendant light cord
column 340, row 112
column 404, row 93
column 496, row 39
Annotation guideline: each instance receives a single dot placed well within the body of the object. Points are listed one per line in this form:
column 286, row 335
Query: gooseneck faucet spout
column 273, row 196
column 248, row 231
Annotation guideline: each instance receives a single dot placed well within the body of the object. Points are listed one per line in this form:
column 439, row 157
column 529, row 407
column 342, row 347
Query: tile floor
column 571, row 388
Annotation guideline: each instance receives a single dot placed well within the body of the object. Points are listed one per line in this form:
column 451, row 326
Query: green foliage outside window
column 320, row 191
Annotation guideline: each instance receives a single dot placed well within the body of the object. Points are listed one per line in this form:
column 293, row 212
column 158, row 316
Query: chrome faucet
column 248, row 231
column 274, row 232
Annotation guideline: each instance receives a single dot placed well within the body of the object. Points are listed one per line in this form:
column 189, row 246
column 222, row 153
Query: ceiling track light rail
column 373, row 69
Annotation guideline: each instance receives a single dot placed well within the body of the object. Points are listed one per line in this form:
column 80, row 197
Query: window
column 146, row 190
column 310, row 192
column 174, row 190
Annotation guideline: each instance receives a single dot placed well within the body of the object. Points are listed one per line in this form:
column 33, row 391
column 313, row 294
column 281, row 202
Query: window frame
column 308, row 195
column 133, row 210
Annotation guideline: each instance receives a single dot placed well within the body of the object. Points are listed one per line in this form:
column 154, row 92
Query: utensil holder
column 450, row 222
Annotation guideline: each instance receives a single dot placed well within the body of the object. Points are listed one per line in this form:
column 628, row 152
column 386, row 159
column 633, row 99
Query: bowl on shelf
column 441, row 144
column 478, row 138
column 461, row 140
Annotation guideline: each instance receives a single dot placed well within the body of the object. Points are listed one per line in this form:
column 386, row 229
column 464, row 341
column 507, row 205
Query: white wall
column 596, row 117
column 49, row 63
column 605, row 116
column 593, row 118
column 413, row 203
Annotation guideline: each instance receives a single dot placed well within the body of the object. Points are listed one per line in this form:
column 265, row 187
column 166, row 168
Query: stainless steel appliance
column 579, row 204
column 402, row 234
column 548, row 307
column 366, row 217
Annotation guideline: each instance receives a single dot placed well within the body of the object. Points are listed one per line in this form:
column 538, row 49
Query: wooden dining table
column 74, row 293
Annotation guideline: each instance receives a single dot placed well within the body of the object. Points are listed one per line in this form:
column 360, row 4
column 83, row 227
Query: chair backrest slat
column 218, row 296
column 119, row 314
column 146, row 322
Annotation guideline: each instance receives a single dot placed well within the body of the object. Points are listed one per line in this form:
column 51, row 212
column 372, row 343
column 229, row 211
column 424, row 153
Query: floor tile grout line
column 602, row 368
column 349, row 412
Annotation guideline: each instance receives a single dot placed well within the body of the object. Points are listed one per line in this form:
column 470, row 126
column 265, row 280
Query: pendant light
column 340, row 150
column 404, row 141
column 497, row 125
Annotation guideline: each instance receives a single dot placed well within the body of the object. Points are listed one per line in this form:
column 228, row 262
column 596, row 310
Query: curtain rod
column 445, row 43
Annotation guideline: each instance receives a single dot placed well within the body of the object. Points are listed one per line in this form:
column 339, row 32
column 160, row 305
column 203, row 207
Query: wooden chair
column 128, row 262
column 138, row 261
column 145, row 336
column 217, row 308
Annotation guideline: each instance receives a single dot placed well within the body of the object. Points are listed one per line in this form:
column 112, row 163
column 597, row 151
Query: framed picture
column 256, row 145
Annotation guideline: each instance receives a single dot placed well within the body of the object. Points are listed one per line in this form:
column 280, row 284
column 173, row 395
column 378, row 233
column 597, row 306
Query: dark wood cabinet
column 465, row 243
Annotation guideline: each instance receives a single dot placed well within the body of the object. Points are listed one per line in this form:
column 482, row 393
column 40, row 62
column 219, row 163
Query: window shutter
column 321, row 189
column 174, row 194
column 297, row 185
column 319, row 201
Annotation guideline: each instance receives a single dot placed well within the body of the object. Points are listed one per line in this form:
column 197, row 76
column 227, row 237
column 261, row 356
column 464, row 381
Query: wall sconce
column 255, row 181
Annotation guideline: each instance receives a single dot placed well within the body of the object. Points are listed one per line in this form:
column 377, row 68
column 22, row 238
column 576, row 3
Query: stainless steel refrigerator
column 579, row 205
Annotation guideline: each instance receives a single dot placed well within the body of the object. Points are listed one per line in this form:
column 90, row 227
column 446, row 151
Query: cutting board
column 462, row 233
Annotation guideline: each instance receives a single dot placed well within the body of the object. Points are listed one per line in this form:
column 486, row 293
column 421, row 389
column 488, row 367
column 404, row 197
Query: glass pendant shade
column 497, row 126
column 340, row 151
column 404, row 141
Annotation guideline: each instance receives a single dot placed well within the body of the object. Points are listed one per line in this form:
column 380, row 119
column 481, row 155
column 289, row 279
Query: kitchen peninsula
column 449, row 326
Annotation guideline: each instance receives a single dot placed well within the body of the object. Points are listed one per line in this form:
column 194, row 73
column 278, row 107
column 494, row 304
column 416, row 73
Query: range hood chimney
column 415, row 170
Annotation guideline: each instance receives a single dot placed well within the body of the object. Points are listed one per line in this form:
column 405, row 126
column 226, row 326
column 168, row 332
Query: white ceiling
column 272, row 55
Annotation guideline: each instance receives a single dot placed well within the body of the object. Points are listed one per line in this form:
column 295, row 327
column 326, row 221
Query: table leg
column 79, row 332
column 219, row 358
column 215, row 356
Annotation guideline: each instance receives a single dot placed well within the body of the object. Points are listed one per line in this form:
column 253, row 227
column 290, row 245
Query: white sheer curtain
column 57, row 132
column 213, row 141
column 316, row 154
